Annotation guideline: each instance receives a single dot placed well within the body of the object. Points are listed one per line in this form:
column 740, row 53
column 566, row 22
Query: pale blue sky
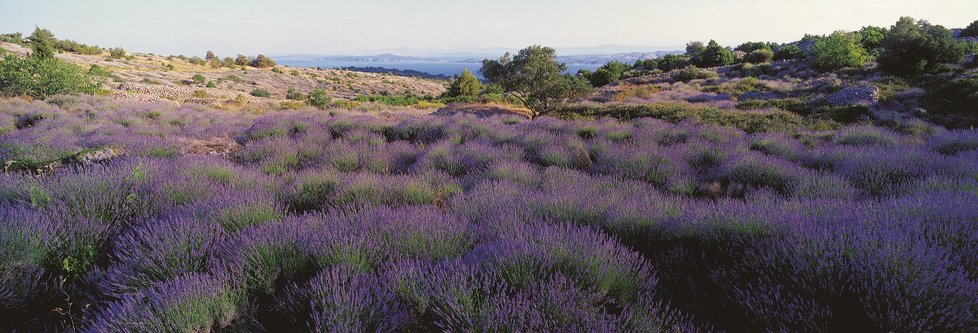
column 367, row 26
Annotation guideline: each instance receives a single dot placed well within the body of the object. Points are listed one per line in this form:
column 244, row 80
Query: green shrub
column 211, row 84
column 713, row 55
column 319, row 98
column 760, row 56
column 14, row 38
column 872, row 38
column 198, row 79
column 41, row 43
column 693, row 73
column 117, row 53
column 96, row 70
column 41, row 77
column 259, row 92
column 608, row 73
column 788, row 52
column 263, row 62
column 294, row 94
column 796, row 105
column 465, row 84
column 844, row 114
column 672, row 62
column 197, row 61
column 838, row 50
column 751, row 122
column 959, row 96
column 749, row 47
column 916, row 47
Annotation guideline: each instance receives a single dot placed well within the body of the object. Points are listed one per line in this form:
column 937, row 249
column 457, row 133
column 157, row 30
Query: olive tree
column 534, row 77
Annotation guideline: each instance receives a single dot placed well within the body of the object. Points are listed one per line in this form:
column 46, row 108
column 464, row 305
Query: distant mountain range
column 583, row 59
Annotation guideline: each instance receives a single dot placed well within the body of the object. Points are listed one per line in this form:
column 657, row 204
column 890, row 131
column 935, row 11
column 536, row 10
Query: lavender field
column 313, row 222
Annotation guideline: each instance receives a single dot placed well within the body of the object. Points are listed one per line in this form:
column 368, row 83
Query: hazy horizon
column 374, row 26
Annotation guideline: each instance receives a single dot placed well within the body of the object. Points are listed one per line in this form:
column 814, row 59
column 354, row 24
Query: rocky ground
column 155, row 78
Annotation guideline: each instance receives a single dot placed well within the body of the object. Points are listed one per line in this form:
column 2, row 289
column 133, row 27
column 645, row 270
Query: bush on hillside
column 41, row 43
column 760, row 56
column 838, row 50
column 197, row 61
column 294, row 94
column 872, row 38
column 242, row 60
column 749, row 47
column 263, row 62
column 693, row 73
column 713, row 55
column 259, row 92
column 319, row 98
column 117, row 53
column 464, row 85
column 608, row 73
column 788, row 52
column 672, row 62
column 198, row 79
column 42, row 77
column 913, row 47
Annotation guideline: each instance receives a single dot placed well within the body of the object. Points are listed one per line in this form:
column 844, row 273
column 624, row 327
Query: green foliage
column 872, row 38
column 263, row 62
column 959, row 96
column 464, row 85
column 197, row 61
column 608, row 73
column 796, row 105
column 713, row 55
column 751, row 122
column 198, row 79
column 693, row 73
column 96, row 70
column 844, row 114
column 971, row 30
column 242, row 60
column 913, row 48
column 672, row 62
column 39, row 78
column 117, row 53
column 749, row 47
column 66, row 45
column 536, row 78
column 838, row 50
column 211, row 84
column 788, row 52
column 294, row 94
column 259, row 92
column 319, row 98
column 760, row 56
column 42, row 44
column 210, row 56
column 694, row 48
column 14, row 38
column 406, row 100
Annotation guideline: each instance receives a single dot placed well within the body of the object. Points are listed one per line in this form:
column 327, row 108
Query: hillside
column 147, row 77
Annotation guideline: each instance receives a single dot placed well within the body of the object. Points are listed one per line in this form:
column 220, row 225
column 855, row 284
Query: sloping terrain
column 153, row 78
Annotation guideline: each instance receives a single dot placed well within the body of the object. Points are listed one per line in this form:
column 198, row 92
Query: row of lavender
column 323, row 223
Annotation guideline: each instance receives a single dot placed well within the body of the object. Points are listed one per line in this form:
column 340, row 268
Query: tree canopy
column 535, row 78
column 464, row 85
column 914, row 47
